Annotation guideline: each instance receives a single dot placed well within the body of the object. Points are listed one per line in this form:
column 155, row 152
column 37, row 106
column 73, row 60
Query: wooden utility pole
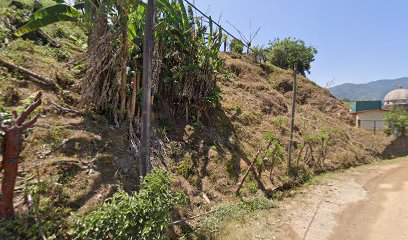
column 292, row 121
column 145, row 165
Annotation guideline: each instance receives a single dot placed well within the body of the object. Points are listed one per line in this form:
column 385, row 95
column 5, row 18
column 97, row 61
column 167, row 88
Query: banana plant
column 49, row 15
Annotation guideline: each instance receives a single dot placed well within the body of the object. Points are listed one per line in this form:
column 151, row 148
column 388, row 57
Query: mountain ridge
column 375, row 90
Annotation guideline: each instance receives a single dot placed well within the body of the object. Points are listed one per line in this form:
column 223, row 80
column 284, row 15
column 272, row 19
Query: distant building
column 398, row 97
column 370, row 115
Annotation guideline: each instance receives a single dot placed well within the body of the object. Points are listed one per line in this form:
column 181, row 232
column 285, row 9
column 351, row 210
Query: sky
column 358, row 40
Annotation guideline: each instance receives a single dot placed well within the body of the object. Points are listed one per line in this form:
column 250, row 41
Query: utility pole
column 145, row 165
column 292, row 121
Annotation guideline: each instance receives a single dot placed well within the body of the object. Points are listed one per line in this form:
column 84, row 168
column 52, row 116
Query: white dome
column 398, row 96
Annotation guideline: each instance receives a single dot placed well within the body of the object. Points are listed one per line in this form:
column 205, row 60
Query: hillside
column 375, row 90
column 75, row 159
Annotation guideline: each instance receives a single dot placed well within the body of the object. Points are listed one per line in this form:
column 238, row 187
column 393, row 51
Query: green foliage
column 259, row 53
column 187, row 54
column 272, row 156
column 6, row 114
column 49, row 207
column 10, row 96
column 236, row 46
column 47, row 16
column 143, row 215
column 186, row 166
column 397, row 120
column 291, row 52
column 213, row 223
column 314, row 148
column 60, row 54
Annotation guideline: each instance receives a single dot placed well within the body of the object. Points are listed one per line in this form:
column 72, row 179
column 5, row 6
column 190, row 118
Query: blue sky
column 358, row 40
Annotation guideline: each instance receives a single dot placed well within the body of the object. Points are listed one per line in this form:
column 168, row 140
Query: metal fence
column 372, row 125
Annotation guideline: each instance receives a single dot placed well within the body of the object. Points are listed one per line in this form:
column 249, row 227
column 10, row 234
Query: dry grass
column 89, row 157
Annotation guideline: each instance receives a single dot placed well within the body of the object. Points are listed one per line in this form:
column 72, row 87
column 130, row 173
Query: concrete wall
column 371, row 120
column 398, row 148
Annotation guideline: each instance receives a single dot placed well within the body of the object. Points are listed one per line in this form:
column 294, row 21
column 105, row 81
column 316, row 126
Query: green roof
column 360, row 106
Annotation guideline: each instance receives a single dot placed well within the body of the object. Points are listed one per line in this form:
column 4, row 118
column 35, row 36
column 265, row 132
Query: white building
column 370, row 115
column 397, row 97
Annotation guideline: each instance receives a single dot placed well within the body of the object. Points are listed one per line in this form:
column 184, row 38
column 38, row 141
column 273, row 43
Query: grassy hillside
column 369, row 91
column 77, row 159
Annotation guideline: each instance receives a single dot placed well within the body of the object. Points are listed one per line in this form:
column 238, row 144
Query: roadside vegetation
column 397, row 121
column 221, row 120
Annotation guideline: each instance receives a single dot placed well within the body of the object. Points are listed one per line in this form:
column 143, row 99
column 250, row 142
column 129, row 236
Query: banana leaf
column 47, row 16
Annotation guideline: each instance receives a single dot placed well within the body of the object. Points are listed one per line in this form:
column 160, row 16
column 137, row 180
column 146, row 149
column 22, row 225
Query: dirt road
column 369, row 202
column 383, row 214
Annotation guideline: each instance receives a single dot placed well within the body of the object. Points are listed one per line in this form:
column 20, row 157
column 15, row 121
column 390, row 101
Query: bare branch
column 30, row 123
column 239, row 32
column 64, row 108
column 256, row 33
column 23, row 116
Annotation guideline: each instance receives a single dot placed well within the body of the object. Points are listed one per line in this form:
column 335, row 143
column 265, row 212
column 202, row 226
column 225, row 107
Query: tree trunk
column 135, row 90
column 123, row 74
column 11, row 155
column 12, row 144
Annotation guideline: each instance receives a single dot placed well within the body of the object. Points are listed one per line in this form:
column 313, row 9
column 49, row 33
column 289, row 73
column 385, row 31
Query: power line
column 209, row 18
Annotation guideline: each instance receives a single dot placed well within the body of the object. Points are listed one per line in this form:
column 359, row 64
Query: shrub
column 236, row 46
column 143, row 215
column 396, row 121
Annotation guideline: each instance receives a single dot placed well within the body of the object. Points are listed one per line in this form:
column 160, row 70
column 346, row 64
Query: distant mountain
column 369, row 91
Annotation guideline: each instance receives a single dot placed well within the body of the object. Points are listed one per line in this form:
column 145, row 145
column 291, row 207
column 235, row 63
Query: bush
column 396, row 121
column 236, row 46
column 143, row 215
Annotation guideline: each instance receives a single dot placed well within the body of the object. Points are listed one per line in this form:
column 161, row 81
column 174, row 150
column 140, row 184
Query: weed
column 55, row 136
column 238, row 110
column 65, row 80
column 61, row 54
column 213, row 223
column 11, row 97
column 49, row 203
column 186, row 166
column 60, row 33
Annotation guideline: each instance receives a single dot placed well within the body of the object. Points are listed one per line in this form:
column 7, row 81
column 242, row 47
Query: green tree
column 236, row 46
column 292, row 53
column 397, row 120
column 259, row 53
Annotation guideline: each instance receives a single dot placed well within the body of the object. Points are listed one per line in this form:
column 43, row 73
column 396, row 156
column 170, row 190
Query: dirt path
column 368, row 202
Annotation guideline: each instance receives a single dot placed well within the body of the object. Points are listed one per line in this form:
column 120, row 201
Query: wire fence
column 217, row 24
column 372, row 125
